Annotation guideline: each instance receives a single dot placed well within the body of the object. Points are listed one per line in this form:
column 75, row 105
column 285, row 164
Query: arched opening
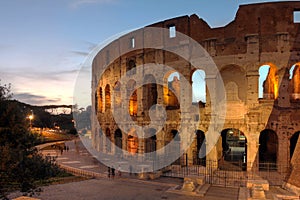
column 293, row 144
column 268, row 148
column 108, row 140
column 295, row 82
column 199, row 154
column 150, row 142
column 96, row 102
column 232, row 93
column 268, row 82
column 234, row 150
column 199, row 86
column 235, row 82
column 132, row 96
column 117, row 95
column 118, row 142
column 149, row 93
column 131, row 67
column 172, row 91
column 176, row 148
column 107, row 98
column 132, row 142
column 100, row 100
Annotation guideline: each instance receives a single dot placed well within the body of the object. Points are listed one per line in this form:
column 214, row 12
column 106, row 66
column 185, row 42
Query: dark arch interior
column 234, row 150
column 268, row 147
column 176, row 148
column 175, row 135
column 150, row 142
column 293, row 143
column 118, row 141
column 199, row 155
column 149, row 93
column 108, row 140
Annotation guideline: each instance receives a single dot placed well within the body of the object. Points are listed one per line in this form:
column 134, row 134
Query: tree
column 20, row 164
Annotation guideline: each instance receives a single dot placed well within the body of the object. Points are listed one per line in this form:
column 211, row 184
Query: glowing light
column 132, row 142
column 270, row 85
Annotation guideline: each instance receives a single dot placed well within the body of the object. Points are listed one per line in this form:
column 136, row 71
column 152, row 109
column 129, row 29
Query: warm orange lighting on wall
column 296, row 80
column 100, row 100
column 133, row 106
column 132, row 145
column 132, row 142
column 172, row 92
column 271, row 84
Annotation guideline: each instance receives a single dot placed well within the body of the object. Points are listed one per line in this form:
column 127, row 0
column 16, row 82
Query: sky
column 45, row 42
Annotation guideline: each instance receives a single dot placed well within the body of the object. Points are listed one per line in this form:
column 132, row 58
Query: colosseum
column 258, row 58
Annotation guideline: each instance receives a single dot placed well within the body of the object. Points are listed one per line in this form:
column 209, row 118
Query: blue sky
column 44, row 42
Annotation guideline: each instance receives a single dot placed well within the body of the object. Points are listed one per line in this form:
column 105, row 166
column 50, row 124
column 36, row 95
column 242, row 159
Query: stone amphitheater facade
column 265, row 127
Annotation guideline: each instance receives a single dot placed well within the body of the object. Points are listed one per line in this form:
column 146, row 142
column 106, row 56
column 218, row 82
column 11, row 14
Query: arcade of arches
column 262, row 91
column 233, row 150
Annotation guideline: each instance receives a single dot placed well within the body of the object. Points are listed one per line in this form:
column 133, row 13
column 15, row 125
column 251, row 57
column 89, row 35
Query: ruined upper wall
column 268, row 24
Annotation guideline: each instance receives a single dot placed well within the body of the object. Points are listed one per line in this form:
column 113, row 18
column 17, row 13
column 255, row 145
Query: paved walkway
column 125, row 187
column 76, row 157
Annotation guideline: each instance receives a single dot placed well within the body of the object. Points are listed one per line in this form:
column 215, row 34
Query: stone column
column 282, row 151
column 252, row 88
column 252, row 153
column 212, row 135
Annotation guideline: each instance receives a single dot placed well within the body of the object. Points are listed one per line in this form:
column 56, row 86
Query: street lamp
column 30, row 117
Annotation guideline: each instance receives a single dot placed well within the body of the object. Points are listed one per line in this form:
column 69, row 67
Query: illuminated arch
column 172, row 90
column 107, row 98
column 295, row 81
column 268, row 81
column 100, row 100
column 132, row 97
column 132, row 142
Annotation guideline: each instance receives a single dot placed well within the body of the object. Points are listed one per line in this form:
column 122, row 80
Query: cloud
column 80, row 53
column 77, row 3
column 35, row 99
column 39, row 87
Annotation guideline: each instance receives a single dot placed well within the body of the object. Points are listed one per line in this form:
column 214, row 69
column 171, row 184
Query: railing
column 232, row 174
column 80, row 172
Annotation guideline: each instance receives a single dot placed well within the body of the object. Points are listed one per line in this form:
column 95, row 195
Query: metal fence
column 232, row 174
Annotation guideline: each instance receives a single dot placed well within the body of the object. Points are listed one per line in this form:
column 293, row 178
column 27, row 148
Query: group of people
column 111, row 172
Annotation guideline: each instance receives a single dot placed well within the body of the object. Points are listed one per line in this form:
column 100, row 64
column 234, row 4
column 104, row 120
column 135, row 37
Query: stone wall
column 261, row 34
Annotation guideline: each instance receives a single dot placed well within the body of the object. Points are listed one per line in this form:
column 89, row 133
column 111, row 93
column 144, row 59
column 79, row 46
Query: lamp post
column 30, row 117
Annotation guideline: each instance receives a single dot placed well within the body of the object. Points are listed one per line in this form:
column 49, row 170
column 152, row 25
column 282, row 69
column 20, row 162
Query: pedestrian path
column 77, row 159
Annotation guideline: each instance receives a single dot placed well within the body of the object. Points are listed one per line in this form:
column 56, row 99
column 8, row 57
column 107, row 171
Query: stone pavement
column 124, row 187
column 77, row 158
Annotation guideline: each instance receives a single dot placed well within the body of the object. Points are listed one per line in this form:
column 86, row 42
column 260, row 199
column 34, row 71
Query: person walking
column 113, row 172
column 108, row 172
column 119, row 171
